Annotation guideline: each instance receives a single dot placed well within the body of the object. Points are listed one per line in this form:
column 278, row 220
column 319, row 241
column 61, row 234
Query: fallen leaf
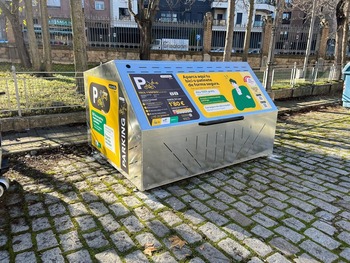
column 149, row 248
column 177, row 242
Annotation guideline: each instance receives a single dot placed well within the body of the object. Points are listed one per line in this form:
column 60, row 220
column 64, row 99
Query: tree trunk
column 229, row 31
column 145, row 41
column 45, row 34
column 33, row 45
column 12, row 14
column 248, row 31
column 79, row 42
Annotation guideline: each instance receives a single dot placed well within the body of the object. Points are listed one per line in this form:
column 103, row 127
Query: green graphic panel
column 212, row 99
column 98, row 122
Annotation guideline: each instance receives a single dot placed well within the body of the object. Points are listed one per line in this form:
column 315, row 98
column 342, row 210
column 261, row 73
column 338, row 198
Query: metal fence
column 126, row 34
column 30, row 93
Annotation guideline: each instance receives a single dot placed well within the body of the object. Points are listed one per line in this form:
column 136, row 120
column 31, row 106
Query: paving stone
column 176, row 190
column 95, row 239
column 325, row 227
column 154, row 204
column 98, row 209
column 188, row 233
column 345, row 236
column 136, row 257
column 119, row 209
column 119, row 189
column 272, row 212
column 108, row 256
column 325, row 215
column 164, row 257
column 251, row 201
column 255, row 260
column 211, row 254
column 3, row 240
column 216, row 218
column 5, row 257
column 180, row 253
column 258, row 186
column 337, row 187
column 158, row 228
column 27, row 257
column 324, row 205
column 131, row 201
column 237, row 231
column 222, row 196
column 199, row 206
column 148, row 238
column 209, row 188
column 196, row 260
column 284, row 246
column 70, row 241
column 108, row 197
column 299, row 195
column 63, row 223
column 300, row 214
column 19, row 225
column 199, row 194
column 193, row 216
column 122, row 241
column 46, row 240
column 264, row 220
column 278, row 195
column 21, row 242
column 109, row 223
column 238, row 217
column 212, row 232
column 289, row 234
column 277, row 258
column 132, row 224
column 346, row 254
column 170, row 218
column 175, row 203
column 86, row 222
column 36, row 209
column 275, row 203
column 160, row 193
column 321, row 195
column 77, row 209
column 57, row 209
column 343, row 224
column 52, row 255
column 257, row 246
column 301, row 204
column 319, row 252
column 294, row 223
column 231, row 190
column 262, row 231
column 144, row 213
column 244, row 208
column 81, row 256
column 234, row 249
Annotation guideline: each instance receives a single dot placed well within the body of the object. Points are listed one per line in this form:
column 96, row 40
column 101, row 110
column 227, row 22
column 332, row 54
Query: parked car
column 221, row 49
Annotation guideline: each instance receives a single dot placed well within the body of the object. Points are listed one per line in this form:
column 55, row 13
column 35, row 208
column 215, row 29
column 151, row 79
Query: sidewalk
column 53, row 137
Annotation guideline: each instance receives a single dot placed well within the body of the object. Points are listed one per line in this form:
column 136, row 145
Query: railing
column 31, row 93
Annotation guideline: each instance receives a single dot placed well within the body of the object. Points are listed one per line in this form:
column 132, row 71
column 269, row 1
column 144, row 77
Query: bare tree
column 146, row 11
column 229, row 30
column 32, row 42
column 342, row 13
column 79, row 41
column 45, row 35
column 11, row 10
column 248, row 30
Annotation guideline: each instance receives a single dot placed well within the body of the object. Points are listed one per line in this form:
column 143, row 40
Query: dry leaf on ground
column 177, row 242
column 149, row 248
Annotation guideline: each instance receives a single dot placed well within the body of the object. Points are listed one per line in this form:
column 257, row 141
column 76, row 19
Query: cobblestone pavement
column 293, row 206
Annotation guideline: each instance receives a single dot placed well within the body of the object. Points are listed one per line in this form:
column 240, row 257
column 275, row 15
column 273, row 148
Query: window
column 54, row 3
column 286, row 17
column 168, row 17
column 284, row 35
column 124, row 14
column 239, row 18
column 99, row 5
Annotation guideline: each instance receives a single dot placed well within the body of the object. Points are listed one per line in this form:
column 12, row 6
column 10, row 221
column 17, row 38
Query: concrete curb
column 50, row 120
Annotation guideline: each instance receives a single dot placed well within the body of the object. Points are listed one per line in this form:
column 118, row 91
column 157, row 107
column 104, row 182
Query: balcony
column 266, row 6
column 219, row 4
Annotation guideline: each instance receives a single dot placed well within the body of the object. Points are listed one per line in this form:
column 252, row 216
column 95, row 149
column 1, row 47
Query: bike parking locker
column 158, row 122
